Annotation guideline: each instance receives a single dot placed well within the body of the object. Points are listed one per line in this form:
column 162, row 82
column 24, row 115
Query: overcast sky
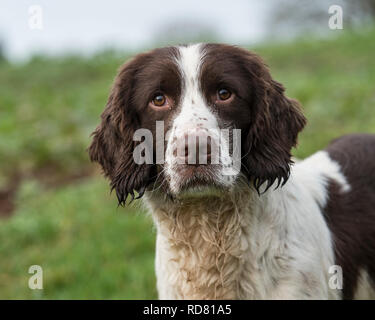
column 85, row 26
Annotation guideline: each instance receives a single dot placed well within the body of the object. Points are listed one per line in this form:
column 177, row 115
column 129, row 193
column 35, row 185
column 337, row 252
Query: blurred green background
column 55, row 207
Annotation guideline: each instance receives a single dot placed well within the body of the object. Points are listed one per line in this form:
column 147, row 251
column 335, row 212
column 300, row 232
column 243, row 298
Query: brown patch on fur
column 270, row 121
column 351, row 215
column 126, row 111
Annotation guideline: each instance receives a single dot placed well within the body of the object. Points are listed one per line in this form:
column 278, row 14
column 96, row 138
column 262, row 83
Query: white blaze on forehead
column 193, row 107
column 190, row 60
column 193, row 115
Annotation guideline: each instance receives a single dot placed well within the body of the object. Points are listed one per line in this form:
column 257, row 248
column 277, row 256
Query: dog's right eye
column 159, row 100
column 223, row 94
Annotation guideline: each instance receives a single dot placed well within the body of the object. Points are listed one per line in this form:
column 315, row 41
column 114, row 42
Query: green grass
column 87, row 247
column 334, row 79
column 49, row 107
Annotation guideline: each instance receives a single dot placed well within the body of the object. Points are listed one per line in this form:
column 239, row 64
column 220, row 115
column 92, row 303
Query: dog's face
column 214, row 117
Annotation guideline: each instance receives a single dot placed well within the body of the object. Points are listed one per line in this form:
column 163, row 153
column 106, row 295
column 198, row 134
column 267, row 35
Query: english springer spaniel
column 237, row 220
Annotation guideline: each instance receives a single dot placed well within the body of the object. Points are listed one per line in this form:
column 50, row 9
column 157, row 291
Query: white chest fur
column 246, row 246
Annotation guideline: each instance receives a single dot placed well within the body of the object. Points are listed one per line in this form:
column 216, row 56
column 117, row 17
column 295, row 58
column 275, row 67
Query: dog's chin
column 199, row 182
column 200, row 190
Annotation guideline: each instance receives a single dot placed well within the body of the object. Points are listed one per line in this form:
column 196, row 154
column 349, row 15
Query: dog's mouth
column 196, row 180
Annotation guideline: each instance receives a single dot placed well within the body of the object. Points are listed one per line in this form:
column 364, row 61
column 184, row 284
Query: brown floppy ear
column 273, row 132
column 112, row 145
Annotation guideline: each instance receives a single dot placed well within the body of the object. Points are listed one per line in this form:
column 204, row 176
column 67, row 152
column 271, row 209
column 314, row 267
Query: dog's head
column 190, row 118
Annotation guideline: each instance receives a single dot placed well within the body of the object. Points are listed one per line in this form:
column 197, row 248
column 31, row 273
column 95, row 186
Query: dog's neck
column 242, row 245
column 204, row 244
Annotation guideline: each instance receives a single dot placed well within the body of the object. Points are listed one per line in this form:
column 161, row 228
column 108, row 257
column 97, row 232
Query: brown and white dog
column 269, row 230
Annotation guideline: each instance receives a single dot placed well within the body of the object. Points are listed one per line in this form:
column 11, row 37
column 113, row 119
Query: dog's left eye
column 223, row 94
column 159, row 100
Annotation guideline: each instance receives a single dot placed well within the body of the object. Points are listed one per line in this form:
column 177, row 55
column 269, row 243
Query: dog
column 253, row 226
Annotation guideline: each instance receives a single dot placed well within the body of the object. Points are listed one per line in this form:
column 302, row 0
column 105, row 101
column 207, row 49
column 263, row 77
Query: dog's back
column 351, row 214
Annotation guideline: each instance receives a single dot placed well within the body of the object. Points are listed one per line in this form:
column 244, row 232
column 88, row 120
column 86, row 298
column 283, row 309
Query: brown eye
column 224, row 94
column 159, row 100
